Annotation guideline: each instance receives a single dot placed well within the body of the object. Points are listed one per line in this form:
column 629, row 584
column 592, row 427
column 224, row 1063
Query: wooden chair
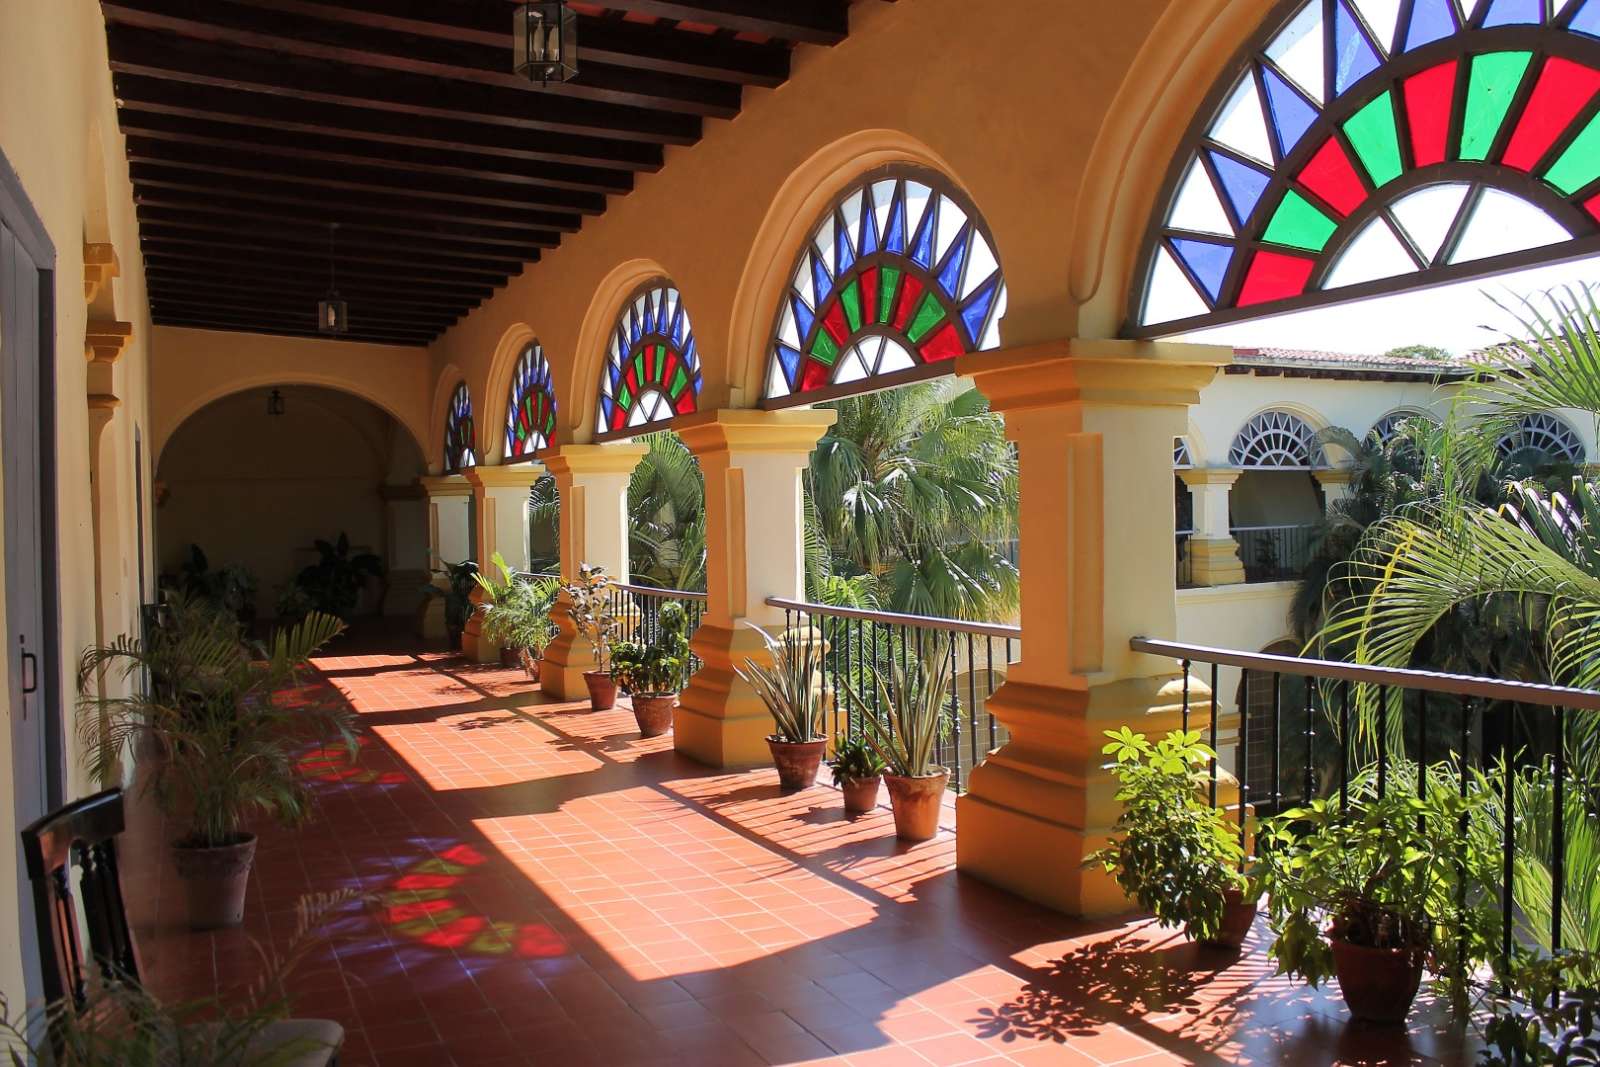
column 84, row 833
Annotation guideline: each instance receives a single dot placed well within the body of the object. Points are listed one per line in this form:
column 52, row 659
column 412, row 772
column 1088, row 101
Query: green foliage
column 659, row 667
column 231, row 588
column 516, row 610
column 1546, row 1022
column 1177, row 856
column 333, row 584
column 666, row 516
column 789, row 683
column 854, row 760
column 229, row 744
column 462, row 579
column 590, row 610
column 914, row 695
column 1432, row 352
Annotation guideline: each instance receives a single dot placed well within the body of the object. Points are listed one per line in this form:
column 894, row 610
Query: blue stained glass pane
column 1206, row 261
column 841, row 241
column 698, row 381
column 678, row 319
column 1353, row 55
column 635, row 327
column 803, row 317
column 1587, row 20
column 1430, row 20
column 691, row 356
column 894, row 238
column 791, row 363
column 922, row 244
column 821, row 284
column 976, row 313
column 605, row 409
column 1244, row 185
column 616, row 375
column 1514, row 12
column 869, row 226
column 661, row 317
column 950, row 276
column 1292, row 114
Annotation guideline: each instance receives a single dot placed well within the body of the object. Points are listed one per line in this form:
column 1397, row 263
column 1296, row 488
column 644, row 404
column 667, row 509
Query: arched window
column 901, row 273
column 531, row 414
column 1546, row 435
column 1276, row 440
column 1365, row 146
column 1384, row 430
column 652, row 369
column 1181, row 459
column 459, row 452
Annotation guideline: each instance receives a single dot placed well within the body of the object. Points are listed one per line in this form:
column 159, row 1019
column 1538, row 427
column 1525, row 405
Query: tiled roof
column 1355, row 361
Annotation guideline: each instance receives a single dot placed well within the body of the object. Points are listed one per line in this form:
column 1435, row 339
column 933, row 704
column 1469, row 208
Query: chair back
column 83, row 834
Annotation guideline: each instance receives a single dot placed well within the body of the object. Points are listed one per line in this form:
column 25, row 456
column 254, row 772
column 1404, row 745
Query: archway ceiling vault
column 252, row 124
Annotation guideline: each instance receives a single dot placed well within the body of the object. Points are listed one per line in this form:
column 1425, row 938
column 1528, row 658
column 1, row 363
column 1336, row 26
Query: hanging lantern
column 275, row 403
column 333, row 314
column 545, row 42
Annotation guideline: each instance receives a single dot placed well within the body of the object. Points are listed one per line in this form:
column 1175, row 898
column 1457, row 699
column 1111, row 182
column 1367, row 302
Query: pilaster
column 500, row 501
column 449, row 541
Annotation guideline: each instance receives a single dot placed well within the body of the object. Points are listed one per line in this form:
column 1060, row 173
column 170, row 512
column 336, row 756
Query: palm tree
column 666, row 512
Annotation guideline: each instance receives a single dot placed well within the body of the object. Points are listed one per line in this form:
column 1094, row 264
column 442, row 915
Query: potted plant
column 590, row 610
column 913, row 694
column 857, row 771
column 651, row 674
column 1376, row 893
column 229, row 748
column 516, row 616
column 1176, row 856
column 787, row 681
column 461, row 580
column 333, row 584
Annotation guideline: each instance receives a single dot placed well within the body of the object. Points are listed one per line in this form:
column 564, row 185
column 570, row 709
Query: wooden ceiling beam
column 166, row 238
column 225, row 325
column 297, row 267
column 811, row 21
column 371, row 315
column 213, row 219
column 201, row 280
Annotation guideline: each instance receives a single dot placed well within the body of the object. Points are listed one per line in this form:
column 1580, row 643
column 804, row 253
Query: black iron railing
column 638, row 608
column 1273, row 553
column 856, row 642
column 1296, row 738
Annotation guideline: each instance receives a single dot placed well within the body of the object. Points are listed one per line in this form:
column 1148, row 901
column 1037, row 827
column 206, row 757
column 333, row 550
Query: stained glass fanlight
column 1276, row 440
column 531, row 413
column 899, row 274
column 459, row 452
column 1544, row 434
column 1365, row 146
column 652, row 370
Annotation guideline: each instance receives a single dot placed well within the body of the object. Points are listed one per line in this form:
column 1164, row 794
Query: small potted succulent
column 788, row 681
column 914, row 695
column 1176, row 855
column 596, row 623
column 857, row 771
column 652, row 673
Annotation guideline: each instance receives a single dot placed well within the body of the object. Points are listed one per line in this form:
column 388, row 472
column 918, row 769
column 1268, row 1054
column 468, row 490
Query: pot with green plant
column 913, row 696
column 589, row 607
column 1375, row 893
column 857, row 771
column 652, row 673
column 788, row 681
column 460, row 581
column 229, row 747
column 333, row 584
column 516, row 615
column 1174, row 854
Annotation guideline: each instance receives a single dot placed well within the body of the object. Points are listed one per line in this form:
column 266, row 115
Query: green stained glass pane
column 1493, row 84
column 823, row 350
column 638, row 369
column 1580, row 163
column 851, row 298
column 624, row 399
column 1299, row 224
column 888, row 286
column 929, row 314
column 1371, row 130
column 679, row 380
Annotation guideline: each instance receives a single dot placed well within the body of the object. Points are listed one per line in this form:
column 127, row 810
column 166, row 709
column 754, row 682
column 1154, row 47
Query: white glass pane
column 991, row 336
column 824, row 243
column 882, row 201
column 600, row 423
column 894, row 357
column 802, row 281
column 787, row 332
column 1381, row 15
column 1427, row 215
column 852, row 221
column 1375, row 253
column 980, row 265
column 951, row 219
column 1471, row 6
column 776, row 386
column 850, row 368
column 1197, row 206
column 1298, row 50
column 1170, row 295
column 1503, row 223
column 1241, row 126
column 672, row 308
column 917, row 196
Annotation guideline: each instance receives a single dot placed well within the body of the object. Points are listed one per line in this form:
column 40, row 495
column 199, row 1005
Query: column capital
column 437, row 485
column 1194, row 477
column 793, row 430
column 1330, row 476
column 618, row 458
column 505, row 476
column 1078, row 371
column 401, row 492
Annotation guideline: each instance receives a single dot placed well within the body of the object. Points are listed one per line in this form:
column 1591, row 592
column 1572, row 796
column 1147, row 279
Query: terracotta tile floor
column 548, row 888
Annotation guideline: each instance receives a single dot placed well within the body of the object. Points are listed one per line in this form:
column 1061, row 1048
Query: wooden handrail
column 923, row 622
column 1553, row 696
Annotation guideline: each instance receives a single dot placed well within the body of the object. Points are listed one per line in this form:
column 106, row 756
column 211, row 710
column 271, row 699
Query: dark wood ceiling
column 253, row 124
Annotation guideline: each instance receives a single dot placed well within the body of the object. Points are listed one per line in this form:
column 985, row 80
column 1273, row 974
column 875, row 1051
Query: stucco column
column 500, row 499
column 1093, row 424
column 1336, row 485
column 1213, row 552
column 405, row 547
column 755, row 521
column 449, row 540
column 593, row 484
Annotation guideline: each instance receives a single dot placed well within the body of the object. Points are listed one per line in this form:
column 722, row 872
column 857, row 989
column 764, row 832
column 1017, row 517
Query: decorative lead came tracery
column 459, row 452
column 1276, row 440
column 652, row 369
column 531, row 414
column 1375, row 143
column 1546, row 435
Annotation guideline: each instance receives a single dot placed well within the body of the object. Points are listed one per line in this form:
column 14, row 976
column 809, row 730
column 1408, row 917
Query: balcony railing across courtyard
column 1274, row 553
column 1317, row 729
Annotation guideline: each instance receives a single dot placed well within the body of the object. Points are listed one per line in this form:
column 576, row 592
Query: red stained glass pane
column 1592, row 206
column 619, row 417
column 869, row 295
column 650, row 362
column 945, row 344
column 1429, row 96
column 814, row 375
column 1563, row 89
column 1330, row 175
column 669, row 363
column 685, row 404
column 1274, row 276
column 909, row 292
column 835, row 324
column 631, row 379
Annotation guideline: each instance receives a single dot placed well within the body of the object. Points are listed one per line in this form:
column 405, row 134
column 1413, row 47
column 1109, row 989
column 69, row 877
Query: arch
column 1544, row 433
column 1276, row 439
column 599, row 320
column 530, row 410
column 1367, row 146
column 1385, row 428
column 495, row 396
column 444, row 388
column 460, row 431
column 652, row 372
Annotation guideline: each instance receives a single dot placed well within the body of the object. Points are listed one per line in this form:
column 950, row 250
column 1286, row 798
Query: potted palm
column 652, row 673
column 857, row 771
column 1176, row 856
column 913, row 694
column 787, row 681
column 590, row 610
column 228, row 746
column 516, row 616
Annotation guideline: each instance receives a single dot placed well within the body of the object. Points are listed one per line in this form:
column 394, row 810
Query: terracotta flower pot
column 214, row 882
column 797, row 762
column 1238, row 915
column 1378, row 984
column 511, row 657
column 602, row 690
column 916, row 803
column 861, row 794
column 654, row 713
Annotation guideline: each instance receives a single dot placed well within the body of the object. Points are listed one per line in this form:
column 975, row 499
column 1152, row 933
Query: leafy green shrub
column 656, row 668
column 789, row 685
column 333, row 584
column 854, row 760
column 914, row 696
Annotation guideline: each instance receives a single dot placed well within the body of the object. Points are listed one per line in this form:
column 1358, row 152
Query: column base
column 720, row 721
column 567, row 658
column 1215, row 561
column 431, row 616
